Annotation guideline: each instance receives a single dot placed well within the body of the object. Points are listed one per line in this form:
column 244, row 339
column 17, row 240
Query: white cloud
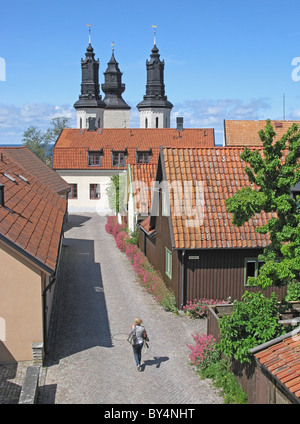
column 15, row 120
column 211, row 113
column 196, row 113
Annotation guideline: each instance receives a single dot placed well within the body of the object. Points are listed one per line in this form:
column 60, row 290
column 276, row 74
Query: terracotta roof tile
column 33, row 213
column 71, row 148
column 25, row 158
column 221, row 175
column 283, row 360
column 245, row 133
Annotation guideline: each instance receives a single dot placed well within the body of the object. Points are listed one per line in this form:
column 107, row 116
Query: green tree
column 116, row 193
column 41, row 143
column 272, row 173
column 254, row 321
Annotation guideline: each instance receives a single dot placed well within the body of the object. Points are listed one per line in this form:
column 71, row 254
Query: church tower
column 90, row 105
column 155, row 109
column 117, row 111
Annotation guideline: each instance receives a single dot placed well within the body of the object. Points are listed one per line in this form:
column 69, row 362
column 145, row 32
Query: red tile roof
column 142, row 175
column 28, row 160
column 245, row 133
column 145, row 226
column 282, row 359
column 215, row 174
column 71, row 148
column 32, row 217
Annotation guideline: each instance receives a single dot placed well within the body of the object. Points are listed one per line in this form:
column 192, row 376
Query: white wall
column 83, row 179
column 83, row 203
column 116, row 118
column 85, row 114
column 162, row 114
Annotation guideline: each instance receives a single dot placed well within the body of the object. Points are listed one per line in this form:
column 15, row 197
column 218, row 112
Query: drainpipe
column 44, row 295
column 182, row 278
column 145, row 243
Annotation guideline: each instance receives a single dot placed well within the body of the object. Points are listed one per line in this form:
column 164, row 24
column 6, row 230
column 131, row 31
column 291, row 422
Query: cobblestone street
column 89, row 360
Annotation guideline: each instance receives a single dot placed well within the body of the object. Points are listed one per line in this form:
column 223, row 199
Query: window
column 168, row 263
column 73, row 192
column 156, row 122
column 143, row 156
column 118, row 158
column 94, row 191
column 252, row 268
column 94, row 158
column 146, row 123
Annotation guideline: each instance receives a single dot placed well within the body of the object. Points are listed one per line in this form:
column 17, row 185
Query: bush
column 293, row 291
column 121, row 240
column 254, row 321
column 153, row 282
column 199, row 307
column 224, row 379
column 204, row 352
column 205, row 356
column 131, row 250
column 110, row 224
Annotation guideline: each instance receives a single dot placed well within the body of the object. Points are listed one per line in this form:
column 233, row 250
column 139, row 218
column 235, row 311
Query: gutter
column 26, row 254
column 275, row 341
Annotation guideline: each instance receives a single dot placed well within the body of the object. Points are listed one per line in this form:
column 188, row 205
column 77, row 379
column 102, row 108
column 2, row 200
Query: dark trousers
column 137, row 352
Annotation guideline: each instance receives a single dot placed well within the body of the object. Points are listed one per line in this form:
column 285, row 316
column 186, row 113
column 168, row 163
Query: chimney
column 179, row 123
column 1, row 194
column 92, row 124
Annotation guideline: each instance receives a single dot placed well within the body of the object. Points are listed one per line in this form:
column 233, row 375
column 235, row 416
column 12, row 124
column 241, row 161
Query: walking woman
column 140, row 333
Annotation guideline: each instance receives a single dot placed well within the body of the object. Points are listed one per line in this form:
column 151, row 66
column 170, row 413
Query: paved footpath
column 98, row 297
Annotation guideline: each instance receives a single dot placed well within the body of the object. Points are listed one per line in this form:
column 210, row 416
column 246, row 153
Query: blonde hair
column 138, row 321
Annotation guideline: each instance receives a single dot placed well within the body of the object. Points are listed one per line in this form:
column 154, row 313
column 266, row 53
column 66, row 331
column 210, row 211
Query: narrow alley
column 89, row 360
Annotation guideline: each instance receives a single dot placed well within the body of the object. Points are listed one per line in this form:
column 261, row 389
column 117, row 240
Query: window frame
column 118, row 153
column 92, row 154
column 168, row 263
column 71, row 192
column 141, row 154
column 256, row 270
column 95, row 191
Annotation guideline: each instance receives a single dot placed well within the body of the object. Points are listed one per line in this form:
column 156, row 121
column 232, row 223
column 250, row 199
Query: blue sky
column 223, row 59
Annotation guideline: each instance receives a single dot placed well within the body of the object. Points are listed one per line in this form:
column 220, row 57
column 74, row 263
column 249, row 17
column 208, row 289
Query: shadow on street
column 79, row 316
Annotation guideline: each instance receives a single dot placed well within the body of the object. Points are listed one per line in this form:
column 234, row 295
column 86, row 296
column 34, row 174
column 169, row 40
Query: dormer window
column 94, row 157
column 143, row 156
column 119, row 157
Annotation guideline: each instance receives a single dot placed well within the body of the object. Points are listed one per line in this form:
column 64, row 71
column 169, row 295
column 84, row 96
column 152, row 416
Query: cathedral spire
column 155, row 109
column 116, row 109
column 90, row 103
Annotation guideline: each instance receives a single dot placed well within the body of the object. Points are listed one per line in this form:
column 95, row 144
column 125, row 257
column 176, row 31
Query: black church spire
column 155, row 88
column 113, row 86
column 90, row 92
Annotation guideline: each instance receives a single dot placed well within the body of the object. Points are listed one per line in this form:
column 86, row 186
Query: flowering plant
column 204, row 352
column 110, row 223
column 198, row 307
column 148, row 276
